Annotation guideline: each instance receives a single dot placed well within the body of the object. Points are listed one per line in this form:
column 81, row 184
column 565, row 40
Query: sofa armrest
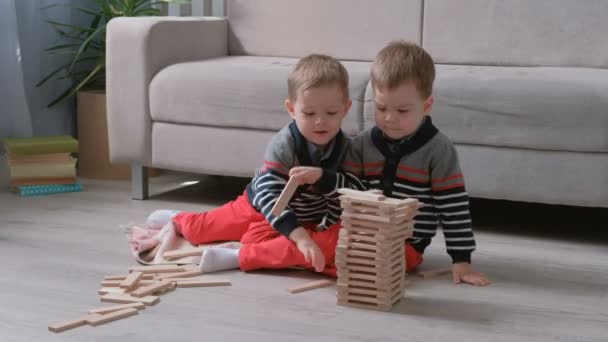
column 136, row 50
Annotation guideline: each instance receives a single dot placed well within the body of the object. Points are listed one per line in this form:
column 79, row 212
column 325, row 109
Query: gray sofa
column 522, row 86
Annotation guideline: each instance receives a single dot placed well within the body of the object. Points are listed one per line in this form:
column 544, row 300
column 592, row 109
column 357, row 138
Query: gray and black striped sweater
column 424, row 166
column 318, row 204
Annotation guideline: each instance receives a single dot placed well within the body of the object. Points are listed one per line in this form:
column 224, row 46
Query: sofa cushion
column 562, row 109
column 517, row 32
column 345, row 29
column 239, row 91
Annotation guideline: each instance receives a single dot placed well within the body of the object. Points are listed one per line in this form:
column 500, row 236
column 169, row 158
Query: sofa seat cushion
column 239, row 92
column 550, row 108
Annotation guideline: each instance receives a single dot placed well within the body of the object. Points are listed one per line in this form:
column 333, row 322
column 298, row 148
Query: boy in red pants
column 311, row 149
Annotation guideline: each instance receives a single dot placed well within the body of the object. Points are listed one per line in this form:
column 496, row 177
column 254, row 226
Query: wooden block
column 126, row 298
column 159, row 269
column 116, row 283
column 59, row 327
column 98, row 319
column 361, row 194
column 434, row 273
column 106, row 290
column 317, row 284
column 123, row 276
column 147, row 290
column 182, row 275
column 181, row 253
column 131, row 281
column 113, row 308
column 202, row 282
column 285, row 196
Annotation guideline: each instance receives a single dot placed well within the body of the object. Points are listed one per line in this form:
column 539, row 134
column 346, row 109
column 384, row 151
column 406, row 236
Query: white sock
column 159, row 218
column 216, row 259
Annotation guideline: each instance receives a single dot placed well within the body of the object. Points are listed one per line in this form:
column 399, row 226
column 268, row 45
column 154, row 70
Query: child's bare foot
column 217, row 259
column 159, row 218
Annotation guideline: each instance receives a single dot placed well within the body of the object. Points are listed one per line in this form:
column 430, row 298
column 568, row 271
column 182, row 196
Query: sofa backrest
column 345, row 29
column 517, row 32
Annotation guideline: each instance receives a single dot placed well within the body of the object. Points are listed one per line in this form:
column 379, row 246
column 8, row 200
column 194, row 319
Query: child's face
column 319, row 112
column 400, row 110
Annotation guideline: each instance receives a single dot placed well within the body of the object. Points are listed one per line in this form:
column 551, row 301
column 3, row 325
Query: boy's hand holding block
column 283, row 200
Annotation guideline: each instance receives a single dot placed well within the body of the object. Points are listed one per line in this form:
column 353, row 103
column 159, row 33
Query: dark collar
column 424, row 134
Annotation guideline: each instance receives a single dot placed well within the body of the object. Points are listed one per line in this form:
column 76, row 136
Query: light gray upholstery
column 345, row 29
column 521, row 88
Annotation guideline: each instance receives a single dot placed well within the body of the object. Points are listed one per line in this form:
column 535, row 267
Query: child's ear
column 428, row 104
column 290, row 108
column 347, row 106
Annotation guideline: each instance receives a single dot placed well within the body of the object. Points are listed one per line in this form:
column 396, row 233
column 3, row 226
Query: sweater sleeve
column 451, row 203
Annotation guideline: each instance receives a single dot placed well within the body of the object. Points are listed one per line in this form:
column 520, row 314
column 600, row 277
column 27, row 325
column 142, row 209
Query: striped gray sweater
column 318, row 204
column 424, row 166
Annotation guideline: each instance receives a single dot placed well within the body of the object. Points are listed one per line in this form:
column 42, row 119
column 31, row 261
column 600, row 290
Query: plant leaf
column 77, row 86
column 85, row 45
column 56, row 71
column 74, row 27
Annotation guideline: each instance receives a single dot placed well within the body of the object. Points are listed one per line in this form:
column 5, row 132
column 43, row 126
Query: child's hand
column 463, row 273
column 312, row 252
column 306, row 174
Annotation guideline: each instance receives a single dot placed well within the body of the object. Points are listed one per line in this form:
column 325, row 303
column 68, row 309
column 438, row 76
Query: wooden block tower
column 370, row 256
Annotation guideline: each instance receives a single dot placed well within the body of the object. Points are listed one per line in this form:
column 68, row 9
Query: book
column 43, row 170
column 42, row 181
column 39, row 190
column 40, row 145
column 40, row 158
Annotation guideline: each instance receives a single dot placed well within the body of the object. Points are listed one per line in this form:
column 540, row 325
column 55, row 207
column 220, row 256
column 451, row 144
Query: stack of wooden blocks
column 370, row 256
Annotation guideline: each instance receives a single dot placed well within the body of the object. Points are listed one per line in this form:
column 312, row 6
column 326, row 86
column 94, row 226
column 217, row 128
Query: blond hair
column 401, row 61
column 314, row 71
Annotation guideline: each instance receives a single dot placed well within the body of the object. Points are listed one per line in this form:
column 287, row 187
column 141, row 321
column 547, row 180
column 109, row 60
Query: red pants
column 263, row 246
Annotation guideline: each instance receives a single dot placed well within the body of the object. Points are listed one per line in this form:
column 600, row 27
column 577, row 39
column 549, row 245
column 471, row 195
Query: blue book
column 47, row 189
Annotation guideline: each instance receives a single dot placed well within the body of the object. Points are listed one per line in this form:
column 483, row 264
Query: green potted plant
column 85, row 45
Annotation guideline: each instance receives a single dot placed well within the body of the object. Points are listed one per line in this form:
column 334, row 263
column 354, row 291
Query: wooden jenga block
column 181, row 253
column 202, row 283
column 147, row 290
column 317, row 284
column 123, row 276
column 131, row 280
column 63, row 326
column 285, row 196
column 106, row 290
column 159, row 269
column 126, row 298
column 116, row 283
column 362, row 194
column 113, row 308
column 182, row 275
column 97, row 319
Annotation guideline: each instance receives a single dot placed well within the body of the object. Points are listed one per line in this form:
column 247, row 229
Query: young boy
column 405, row 155
column 311, row 149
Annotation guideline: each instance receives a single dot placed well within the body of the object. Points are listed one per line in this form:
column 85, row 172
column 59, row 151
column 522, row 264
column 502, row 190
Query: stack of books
column 42, row 165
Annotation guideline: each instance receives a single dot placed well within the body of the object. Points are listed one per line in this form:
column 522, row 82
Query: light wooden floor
column 549, row 266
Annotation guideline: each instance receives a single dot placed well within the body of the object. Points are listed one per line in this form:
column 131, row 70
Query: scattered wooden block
column 159, row 269
column 202, row 282
column 313, row 285
column 187, row 274
column 106, row 290
column 147, row 290
column 131, row 280
column 98, row 319
column 59, row 327
column 434, row 273
column 108, row 309
column 116, row 283
column 180, row 253
column 126, row 299
column 123, row 276
column 285, row 196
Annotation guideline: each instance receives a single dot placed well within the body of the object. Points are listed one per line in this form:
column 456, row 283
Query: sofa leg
column 139, row 182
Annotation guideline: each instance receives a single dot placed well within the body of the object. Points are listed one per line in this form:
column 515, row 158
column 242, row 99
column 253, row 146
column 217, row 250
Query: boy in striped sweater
column 405, row 155
column 310, row 149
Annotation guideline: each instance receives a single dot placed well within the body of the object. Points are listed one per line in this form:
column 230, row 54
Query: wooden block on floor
column 98, row 319
column 108, row 309
column 126, row 298
column 159, row 269
column 150, row 289
column 106, row 290
column 434, row 273
column 123, row 276
column 116, row 283
column 312, row 285
column 182, row 275
column 131, row 280
column 181, row 253
column 66, row 325
column 286, row 194
column 202, row 282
